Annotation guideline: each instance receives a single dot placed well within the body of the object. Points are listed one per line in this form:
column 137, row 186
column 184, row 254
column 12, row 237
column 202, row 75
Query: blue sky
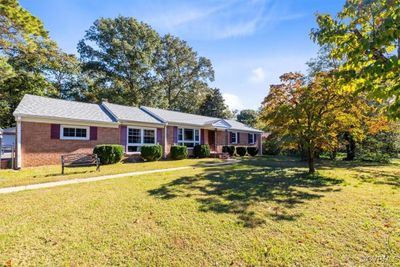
column 250, row 42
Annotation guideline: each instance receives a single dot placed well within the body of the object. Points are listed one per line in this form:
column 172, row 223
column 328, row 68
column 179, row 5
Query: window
column 251, row 138
column 74, row 133
column 137, row 137
column 188, row 137
column 233, row 138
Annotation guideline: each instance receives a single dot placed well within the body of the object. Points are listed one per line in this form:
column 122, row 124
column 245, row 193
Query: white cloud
column 233, row 101
column 257, row 75
column 215, row 20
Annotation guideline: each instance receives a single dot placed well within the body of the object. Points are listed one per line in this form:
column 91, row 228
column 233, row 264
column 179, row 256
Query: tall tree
column 310, row 115
column 182, row 74
column 248, row 117
column 214, row 105
column 365, row 37
column 27, row 56
column 119, row 55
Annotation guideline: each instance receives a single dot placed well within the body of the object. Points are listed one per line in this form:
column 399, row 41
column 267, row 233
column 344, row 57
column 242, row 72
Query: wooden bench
column 79, row 160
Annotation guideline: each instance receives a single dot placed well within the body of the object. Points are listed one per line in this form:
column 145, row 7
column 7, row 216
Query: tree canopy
column 130, row 63
column 214, row 105
column 248, row 117
column 311, row 115
column 28, row 58
column 365, row 38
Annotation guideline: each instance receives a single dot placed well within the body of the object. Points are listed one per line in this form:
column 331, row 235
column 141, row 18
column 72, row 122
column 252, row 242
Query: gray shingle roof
column 179, row 117
column 45, row 107
column 241, row 127
column 186, row 118
column 134, row 114
column 38, row 106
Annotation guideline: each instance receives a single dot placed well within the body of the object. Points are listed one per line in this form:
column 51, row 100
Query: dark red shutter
column 175, row 135
column 159, row 135
column 55, row 131
column 202, row 136
column 93, row 133
column 238, row 138
column 123, row 135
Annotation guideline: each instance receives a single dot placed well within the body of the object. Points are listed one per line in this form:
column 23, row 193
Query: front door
column 211, row 139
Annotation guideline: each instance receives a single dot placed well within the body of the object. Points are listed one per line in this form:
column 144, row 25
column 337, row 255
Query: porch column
column 165, row 141
column 215, row 139
column 19, row 150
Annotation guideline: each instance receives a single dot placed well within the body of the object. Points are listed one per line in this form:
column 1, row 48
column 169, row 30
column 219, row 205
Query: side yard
column 263, row 211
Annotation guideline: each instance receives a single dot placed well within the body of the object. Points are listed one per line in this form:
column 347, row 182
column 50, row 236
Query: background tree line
column 122, row 60
column 349, row 101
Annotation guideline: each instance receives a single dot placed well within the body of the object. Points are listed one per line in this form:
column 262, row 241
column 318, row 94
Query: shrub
column 252, row 150
column 375, row 157
column 151, row 153
column 229, row 149
column 109, row 154
column 179, row 152
column 241, row 150
column 201, row 151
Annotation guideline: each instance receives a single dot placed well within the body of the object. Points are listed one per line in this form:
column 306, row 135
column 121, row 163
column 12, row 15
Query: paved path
column 7, row 190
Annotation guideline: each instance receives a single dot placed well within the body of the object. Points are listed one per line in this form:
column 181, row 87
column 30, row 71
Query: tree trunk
column 332, row 154
column 310, row 159
column 350, row 146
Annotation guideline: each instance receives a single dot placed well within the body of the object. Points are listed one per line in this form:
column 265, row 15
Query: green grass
column 258, row 212
column 52, row 173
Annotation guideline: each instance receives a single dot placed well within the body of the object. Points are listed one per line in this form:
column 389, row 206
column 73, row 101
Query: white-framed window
column 233, row 137
column 69, row 132
column 138, row 137
column 188, row 137
column 251, row 138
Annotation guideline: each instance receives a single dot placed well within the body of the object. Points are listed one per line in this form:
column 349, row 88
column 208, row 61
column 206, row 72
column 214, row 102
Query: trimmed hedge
column 201, row 151
column 229, row 149
column 109, row 154
column 151, row 153
column 179, row 152
column 252, row 150
column 241, row 150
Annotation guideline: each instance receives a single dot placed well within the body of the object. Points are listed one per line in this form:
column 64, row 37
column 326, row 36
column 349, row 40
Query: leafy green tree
column 214, row 105
column 183, row 75
column 364, row 37
column 27, row 58
column 248, row 117
column 310, row 115
column 119, row 55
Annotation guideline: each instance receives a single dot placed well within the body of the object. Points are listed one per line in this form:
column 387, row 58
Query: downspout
column 19, row 150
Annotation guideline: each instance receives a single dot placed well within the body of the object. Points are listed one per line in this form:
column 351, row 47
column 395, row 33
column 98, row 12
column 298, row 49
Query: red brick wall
column 221, row 140
column 38, row 149
column 170, row 138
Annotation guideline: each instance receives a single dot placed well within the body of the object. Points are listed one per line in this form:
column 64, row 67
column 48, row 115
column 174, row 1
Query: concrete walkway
column 13, row 189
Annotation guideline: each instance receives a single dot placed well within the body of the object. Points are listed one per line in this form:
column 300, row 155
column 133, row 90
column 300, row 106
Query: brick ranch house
column 48, row 128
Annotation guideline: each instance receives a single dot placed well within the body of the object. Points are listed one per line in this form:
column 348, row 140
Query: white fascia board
column 43, row 119
column 142, row 124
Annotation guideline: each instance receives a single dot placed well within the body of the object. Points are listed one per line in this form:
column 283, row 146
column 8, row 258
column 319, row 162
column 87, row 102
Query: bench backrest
column 72, row 159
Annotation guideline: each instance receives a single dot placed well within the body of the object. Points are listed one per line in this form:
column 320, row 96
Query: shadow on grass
column 250, row 190
column 367, row 172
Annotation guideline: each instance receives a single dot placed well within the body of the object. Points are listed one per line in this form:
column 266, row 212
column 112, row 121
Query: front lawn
column 52, row 173
column 263, row 211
